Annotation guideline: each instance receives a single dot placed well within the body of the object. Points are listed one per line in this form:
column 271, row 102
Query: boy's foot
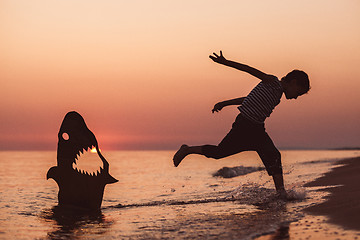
column 180, row 155
column 282, row 195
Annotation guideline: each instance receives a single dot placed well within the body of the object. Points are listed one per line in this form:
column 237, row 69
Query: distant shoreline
column 320, row 149
column 346, row 148
column 280, row 148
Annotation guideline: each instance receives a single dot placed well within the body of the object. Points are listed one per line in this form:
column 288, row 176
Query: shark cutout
column 78, row 188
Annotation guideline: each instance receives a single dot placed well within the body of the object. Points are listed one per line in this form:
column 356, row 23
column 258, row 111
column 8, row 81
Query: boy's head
column 295, row 84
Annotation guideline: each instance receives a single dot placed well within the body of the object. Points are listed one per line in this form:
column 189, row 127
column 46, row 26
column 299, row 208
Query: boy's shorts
column 247, row 136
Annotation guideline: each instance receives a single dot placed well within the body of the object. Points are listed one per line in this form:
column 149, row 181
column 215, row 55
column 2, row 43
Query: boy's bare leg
column 279, row 185
column 184, row 151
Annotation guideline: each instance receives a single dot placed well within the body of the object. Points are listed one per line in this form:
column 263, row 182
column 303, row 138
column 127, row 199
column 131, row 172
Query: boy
column 248, row 131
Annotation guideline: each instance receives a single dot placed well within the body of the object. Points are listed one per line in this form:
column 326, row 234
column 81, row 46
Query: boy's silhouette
column 248, row 130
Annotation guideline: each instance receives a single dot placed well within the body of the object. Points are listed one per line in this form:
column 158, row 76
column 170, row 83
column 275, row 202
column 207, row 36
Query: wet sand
column 342, row 206
column 338, row 217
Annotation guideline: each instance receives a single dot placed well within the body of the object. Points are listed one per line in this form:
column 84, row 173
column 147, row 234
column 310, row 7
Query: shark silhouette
column 78, row 188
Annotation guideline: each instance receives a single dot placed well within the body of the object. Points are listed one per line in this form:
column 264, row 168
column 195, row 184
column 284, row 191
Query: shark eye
column 65, row 136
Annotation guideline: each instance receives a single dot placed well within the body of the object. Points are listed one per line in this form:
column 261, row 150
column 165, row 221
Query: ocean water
column 154, row 200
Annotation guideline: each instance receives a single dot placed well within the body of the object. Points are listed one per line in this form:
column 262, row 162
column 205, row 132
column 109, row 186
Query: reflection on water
column 282, row 233
column 73, row 223
column 216, row 220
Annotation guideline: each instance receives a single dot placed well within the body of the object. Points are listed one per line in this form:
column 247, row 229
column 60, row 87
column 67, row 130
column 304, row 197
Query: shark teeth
column 83, row 172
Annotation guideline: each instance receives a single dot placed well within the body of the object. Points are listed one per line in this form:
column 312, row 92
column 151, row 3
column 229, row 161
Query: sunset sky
column 140, row 75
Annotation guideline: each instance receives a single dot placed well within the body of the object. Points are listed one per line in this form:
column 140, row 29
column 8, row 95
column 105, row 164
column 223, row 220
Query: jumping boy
column 248, row 131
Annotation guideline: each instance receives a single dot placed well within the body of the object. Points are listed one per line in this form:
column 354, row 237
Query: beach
column 196, row 200
column 342, row 206
column 338, row 216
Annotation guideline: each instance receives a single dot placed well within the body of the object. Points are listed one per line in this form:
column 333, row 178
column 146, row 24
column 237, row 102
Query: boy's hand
column 217, row 107
column 219, row 59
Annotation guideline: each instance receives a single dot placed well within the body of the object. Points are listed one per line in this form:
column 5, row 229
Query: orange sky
column 139, row 72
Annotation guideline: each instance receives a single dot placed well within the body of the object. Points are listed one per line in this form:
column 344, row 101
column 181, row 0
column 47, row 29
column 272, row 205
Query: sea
column 202, row 198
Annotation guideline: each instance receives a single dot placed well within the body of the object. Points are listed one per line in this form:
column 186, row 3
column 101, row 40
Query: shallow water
column 154, row 200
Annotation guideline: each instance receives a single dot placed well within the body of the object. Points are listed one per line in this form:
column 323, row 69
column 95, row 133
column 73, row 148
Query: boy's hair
column 302, row 79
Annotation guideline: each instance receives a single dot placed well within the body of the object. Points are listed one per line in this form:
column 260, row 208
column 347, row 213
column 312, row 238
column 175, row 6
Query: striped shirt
column 261, row 101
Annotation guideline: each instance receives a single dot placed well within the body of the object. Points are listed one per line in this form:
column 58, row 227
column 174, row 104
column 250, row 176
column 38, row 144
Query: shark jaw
column 87, row 162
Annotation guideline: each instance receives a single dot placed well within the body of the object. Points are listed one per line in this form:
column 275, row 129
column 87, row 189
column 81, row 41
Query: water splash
column 249, row 194
column 296, row 194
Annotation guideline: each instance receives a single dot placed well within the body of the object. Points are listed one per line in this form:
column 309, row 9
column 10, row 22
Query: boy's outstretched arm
column 242, row 67
column 220, row 105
